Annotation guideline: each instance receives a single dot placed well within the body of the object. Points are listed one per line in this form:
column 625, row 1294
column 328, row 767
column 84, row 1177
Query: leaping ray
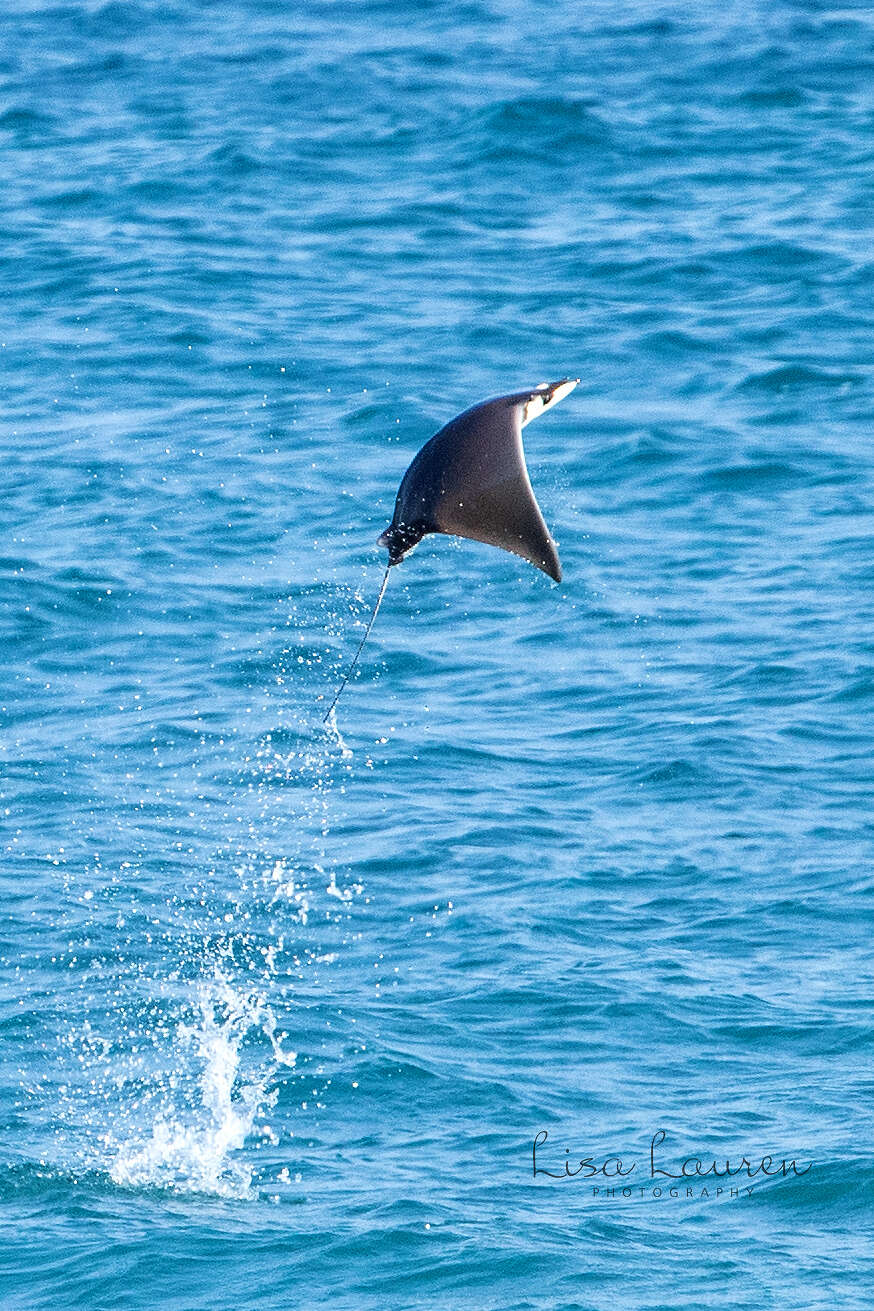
column 470, row 480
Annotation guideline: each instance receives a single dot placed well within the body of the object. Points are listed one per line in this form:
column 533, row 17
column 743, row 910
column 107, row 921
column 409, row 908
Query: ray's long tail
column 361, row 643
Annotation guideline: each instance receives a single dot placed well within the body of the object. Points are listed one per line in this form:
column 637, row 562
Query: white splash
column 333, row 731
column 192, row 1150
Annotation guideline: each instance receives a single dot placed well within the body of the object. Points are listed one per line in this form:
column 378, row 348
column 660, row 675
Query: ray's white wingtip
column 545, row 395
column 559, row 390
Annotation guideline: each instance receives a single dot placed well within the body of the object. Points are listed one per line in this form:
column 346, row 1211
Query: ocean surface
column 286, row 1006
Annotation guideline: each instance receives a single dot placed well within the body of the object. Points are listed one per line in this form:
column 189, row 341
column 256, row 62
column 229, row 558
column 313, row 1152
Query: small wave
column 20, row 119
column 861, row 689
column 543, row 124
column 115, row 61
column 782, row 254
column 673, row 771
column 835, row 1183
column 156, row 189
column 763, row 676
column 257, row 55
column 231, row 160
column 364, row 416
column 778, row 262
column 674, row 343
column 71, row 199
column 118, row 20
column 787, row 376
column 766, row 476
column 781, row 97
column 641, row 27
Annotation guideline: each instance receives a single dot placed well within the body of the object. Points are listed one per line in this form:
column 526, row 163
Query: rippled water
column 284, row 1008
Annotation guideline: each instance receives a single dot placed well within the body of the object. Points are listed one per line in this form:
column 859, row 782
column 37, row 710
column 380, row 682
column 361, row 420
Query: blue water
column 284, row 1007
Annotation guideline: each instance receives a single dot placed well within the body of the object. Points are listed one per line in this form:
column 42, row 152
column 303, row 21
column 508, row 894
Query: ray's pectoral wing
column 487, row 497
column 506, row 516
